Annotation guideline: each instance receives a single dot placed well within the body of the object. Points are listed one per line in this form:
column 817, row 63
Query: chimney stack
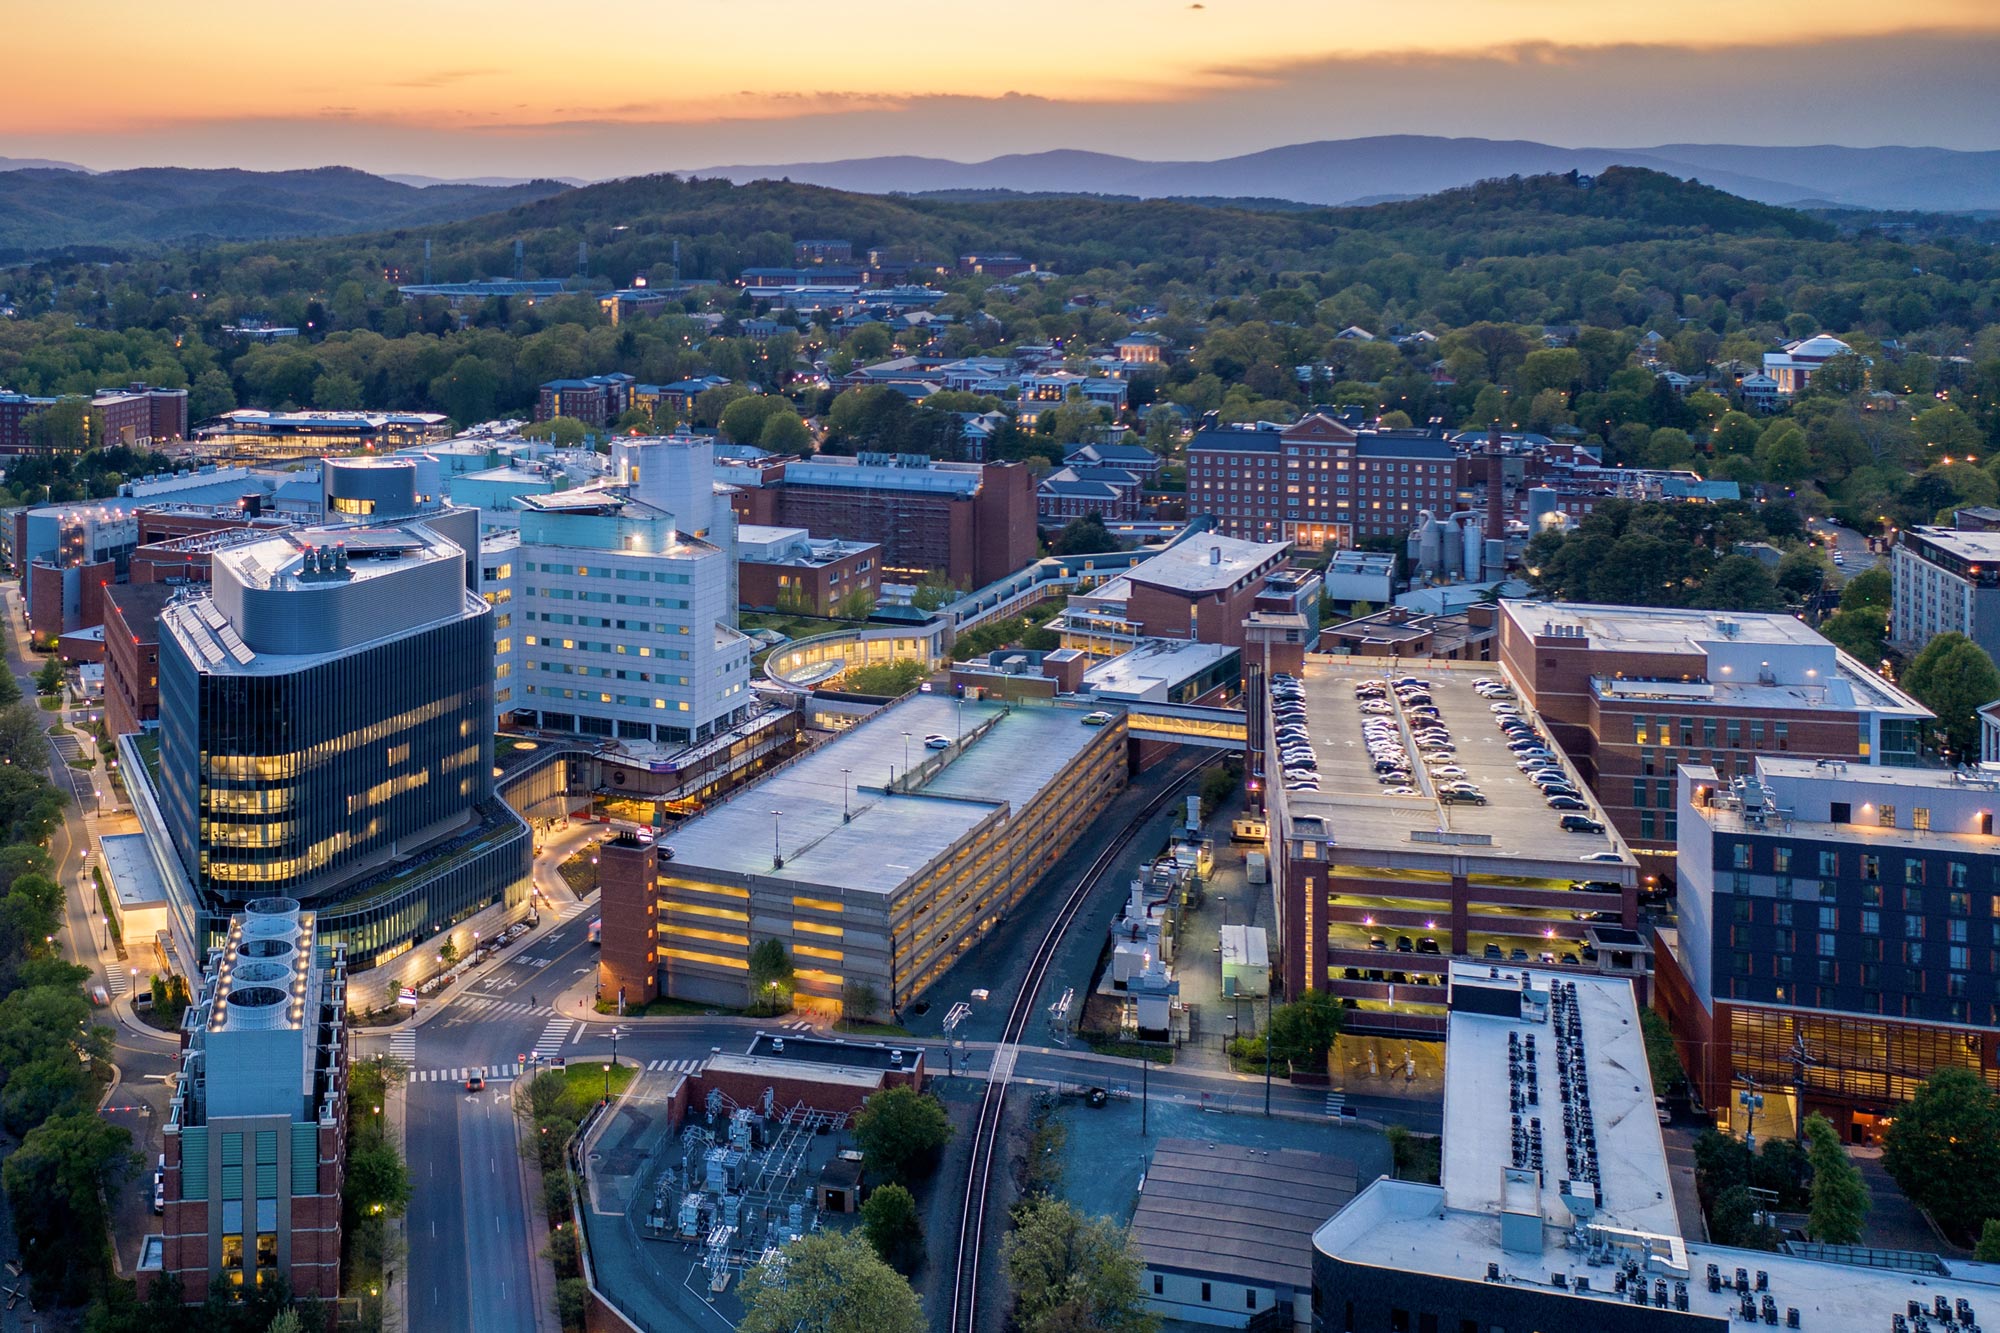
column 1496, row 523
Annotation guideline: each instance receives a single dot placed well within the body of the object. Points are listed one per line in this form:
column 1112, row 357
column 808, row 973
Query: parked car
column 1581, row 824
column 1567, row 803
column 935, row 741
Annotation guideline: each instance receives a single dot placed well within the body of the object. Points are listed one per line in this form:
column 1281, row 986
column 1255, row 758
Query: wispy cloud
column 1923, row 86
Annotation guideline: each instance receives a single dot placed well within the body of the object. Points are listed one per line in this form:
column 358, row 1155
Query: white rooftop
column 1967, row 545
column 891, row 836
column 1631, row 1161
column 1659, row 629
column 1206, row 562
column 1152, row 667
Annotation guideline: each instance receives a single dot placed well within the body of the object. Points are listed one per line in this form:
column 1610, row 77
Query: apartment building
column 1320, row 483
column 597, row 400
column 1837, row 937
column 1945, row 580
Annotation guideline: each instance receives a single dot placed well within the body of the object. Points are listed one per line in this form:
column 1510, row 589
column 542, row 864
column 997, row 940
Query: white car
column 1097, row 719
column 934, row 741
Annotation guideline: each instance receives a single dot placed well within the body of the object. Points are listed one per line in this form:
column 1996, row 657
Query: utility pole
column 1267, row 1048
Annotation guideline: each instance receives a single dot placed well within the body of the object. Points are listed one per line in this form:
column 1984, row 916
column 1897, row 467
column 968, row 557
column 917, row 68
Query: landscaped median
column 555, row 1106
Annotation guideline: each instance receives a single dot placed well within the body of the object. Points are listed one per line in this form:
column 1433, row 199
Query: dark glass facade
column 1880, row 930
column 318, row 783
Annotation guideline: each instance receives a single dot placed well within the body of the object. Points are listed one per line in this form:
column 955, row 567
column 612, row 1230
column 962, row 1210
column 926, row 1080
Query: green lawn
column 584, row 1083
column 857, row 1027
column 666, row 1007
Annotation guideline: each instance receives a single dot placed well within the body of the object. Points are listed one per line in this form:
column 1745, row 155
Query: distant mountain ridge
column 50, row 208
column 1350, row 171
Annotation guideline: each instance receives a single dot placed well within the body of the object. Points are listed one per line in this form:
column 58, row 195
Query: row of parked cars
column 1395, row 767
column 1537, row 760
column 1289, row 731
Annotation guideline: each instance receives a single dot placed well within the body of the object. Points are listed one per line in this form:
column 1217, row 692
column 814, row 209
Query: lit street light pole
column 607, row 1068
column 846, row 816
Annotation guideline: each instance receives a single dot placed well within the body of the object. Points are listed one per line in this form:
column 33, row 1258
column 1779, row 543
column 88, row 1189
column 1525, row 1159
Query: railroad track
column 986, row 1133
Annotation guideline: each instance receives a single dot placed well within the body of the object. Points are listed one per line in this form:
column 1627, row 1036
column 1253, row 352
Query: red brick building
column 1631, row 693
column 1202, row 589
column 1319, row 483
column 256, row 1147
column 132, row 654
column 972, row 522
column 783, row 568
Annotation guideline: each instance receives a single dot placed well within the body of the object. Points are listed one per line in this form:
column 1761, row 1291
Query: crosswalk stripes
column 676, row 1066
column 1335, row 1103
column 493, row 1006
column 511, row 1069
column 121, row 981
column 569, row 911
column 403, row 1046
column 553, row 1036
column 799, row 1027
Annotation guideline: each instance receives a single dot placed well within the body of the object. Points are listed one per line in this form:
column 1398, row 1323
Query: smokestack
column 1496, row 523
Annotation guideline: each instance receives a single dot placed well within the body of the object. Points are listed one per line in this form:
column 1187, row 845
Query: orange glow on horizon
column 502, row 68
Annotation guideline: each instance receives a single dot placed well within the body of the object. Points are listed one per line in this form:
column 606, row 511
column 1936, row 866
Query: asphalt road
column 472, row 1242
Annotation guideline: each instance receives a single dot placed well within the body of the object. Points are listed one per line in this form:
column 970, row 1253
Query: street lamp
column 777, row 852
column 845, row 815
column 906, row 755
column 607, row 1068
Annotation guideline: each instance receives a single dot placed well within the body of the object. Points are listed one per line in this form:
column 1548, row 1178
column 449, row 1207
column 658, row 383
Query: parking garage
column 1416, row 828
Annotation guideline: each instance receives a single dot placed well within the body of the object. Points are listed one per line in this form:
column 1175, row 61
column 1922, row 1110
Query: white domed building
column 1793, row 368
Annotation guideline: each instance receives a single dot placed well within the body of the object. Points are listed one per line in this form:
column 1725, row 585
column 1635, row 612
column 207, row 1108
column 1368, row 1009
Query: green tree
column 468, row 392
column 1988, row 1251
column 888, row 680
column 56, row 1183
column 1953, row 677
column 900, row 1132
column 859, row 1000
column 377, row 1180
column 785, row 433
column 1858, row 633
column 563, row 432
column 1070, row 1272
column 828, row 1282
column 771, row 976
column 1840, row 1199
column 935, row 590
column 855, row 604
column 1869, row 588
column 1083, row 536
column 210, row 396
column 1663, row 1059
column 1303, row 1031
column 1738, row 583
column 1943, row 1149
column 1801, row 573
column 49, row 679
column 743, row 420
column 287, row 1321
column 889, row 1220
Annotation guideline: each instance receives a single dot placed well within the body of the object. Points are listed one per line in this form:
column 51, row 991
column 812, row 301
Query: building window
column 1886, row 816
column 1741, row 910
column 1871, row 866
column 1871, row 922
column 1913, row 900
column 1781, row 860
column 1204, row 1291
column 1871, row 894
column 1826, row 945
column 1740, row 856
column 1920, row 818
column 1159, row 1285
column 1829, row 862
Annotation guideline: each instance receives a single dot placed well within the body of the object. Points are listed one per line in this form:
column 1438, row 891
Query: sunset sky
column 471, row 87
